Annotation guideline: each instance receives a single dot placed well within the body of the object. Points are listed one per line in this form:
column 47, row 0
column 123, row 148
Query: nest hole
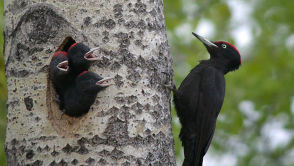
column 63, row 124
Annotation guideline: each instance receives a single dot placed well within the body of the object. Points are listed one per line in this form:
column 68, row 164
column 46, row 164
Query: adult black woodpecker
column 81, row 57
column 59, row 74
column 200, row 96
column 79, row 97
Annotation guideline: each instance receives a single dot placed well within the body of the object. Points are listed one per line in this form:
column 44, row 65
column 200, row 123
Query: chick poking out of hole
column 81, row 57
column 76, row 87
column 60, row 75
column 81, row 95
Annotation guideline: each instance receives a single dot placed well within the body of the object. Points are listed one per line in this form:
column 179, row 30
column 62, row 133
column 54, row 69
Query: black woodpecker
column 79, row 97
column 200, row 97
column 80, row 57
column 59, row 74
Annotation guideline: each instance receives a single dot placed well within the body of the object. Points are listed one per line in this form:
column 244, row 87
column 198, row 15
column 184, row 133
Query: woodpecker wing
column 198, row 103
column 212, row 91
column 186, row 102
column 186, row 97
column 211, row 100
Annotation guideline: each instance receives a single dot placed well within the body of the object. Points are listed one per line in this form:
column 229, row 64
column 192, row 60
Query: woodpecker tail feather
column 193, row 155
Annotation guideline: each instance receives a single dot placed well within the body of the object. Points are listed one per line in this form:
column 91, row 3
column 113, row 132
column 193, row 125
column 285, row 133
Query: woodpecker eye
column 224, row 46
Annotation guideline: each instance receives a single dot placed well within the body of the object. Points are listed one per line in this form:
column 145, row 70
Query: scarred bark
column 129, row 123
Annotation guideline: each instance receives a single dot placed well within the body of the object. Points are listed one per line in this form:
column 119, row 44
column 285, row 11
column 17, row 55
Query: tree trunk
column 129, row 123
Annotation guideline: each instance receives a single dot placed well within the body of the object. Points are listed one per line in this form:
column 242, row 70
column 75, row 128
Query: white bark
column 130, row 122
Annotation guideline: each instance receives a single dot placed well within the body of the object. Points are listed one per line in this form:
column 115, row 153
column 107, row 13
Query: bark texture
column 129, row 123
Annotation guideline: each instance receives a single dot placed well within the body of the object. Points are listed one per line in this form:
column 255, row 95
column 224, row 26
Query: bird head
column 61, row 57
column 81, row 56
column 222, row 52
column 91, row 82
column 59, row 64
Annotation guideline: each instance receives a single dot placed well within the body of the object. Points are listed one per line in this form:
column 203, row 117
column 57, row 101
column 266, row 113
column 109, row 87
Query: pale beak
column 103, row 82
column 206, row 42
column 89, row 55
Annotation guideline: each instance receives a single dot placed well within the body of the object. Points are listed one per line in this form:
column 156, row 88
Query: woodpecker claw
column 165, row 73
column 62, row 113
column 103, row 83
column 57, row 99
column 172, row 86
column 63, row 66
column 89, row 55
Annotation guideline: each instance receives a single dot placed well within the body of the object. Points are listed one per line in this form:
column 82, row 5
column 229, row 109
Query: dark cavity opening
column 67, row 42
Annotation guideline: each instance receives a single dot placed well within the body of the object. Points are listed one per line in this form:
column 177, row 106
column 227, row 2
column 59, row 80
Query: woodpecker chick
column 200, row 96
column 58, row 66
column 59, row 74
column 81, row 95
column 81, row 57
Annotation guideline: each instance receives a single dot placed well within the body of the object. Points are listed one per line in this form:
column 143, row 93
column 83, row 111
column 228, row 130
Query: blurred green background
column 255, row 126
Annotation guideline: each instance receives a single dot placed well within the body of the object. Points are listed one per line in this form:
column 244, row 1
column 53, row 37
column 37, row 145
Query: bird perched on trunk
column 81, row 57
column 82, row 93
column 200, row 96
column 59, row 74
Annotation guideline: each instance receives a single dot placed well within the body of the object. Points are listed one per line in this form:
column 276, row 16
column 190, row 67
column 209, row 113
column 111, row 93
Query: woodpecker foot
column 165, row 73
column 57, row 99
column 62, row 113
column 171, row 87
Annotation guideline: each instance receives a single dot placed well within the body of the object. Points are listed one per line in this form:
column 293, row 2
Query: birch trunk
column 129, row 123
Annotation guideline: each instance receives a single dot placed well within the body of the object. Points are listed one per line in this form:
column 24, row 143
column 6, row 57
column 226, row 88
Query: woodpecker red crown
column 60, row 52
column 231, row 46
column 72, row 46
column 82, row 73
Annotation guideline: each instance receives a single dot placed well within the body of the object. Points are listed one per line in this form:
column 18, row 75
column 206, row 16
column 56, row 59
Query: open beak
column 63, row 66
column 89, row 55
column 104, row 82
column 206, row 42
